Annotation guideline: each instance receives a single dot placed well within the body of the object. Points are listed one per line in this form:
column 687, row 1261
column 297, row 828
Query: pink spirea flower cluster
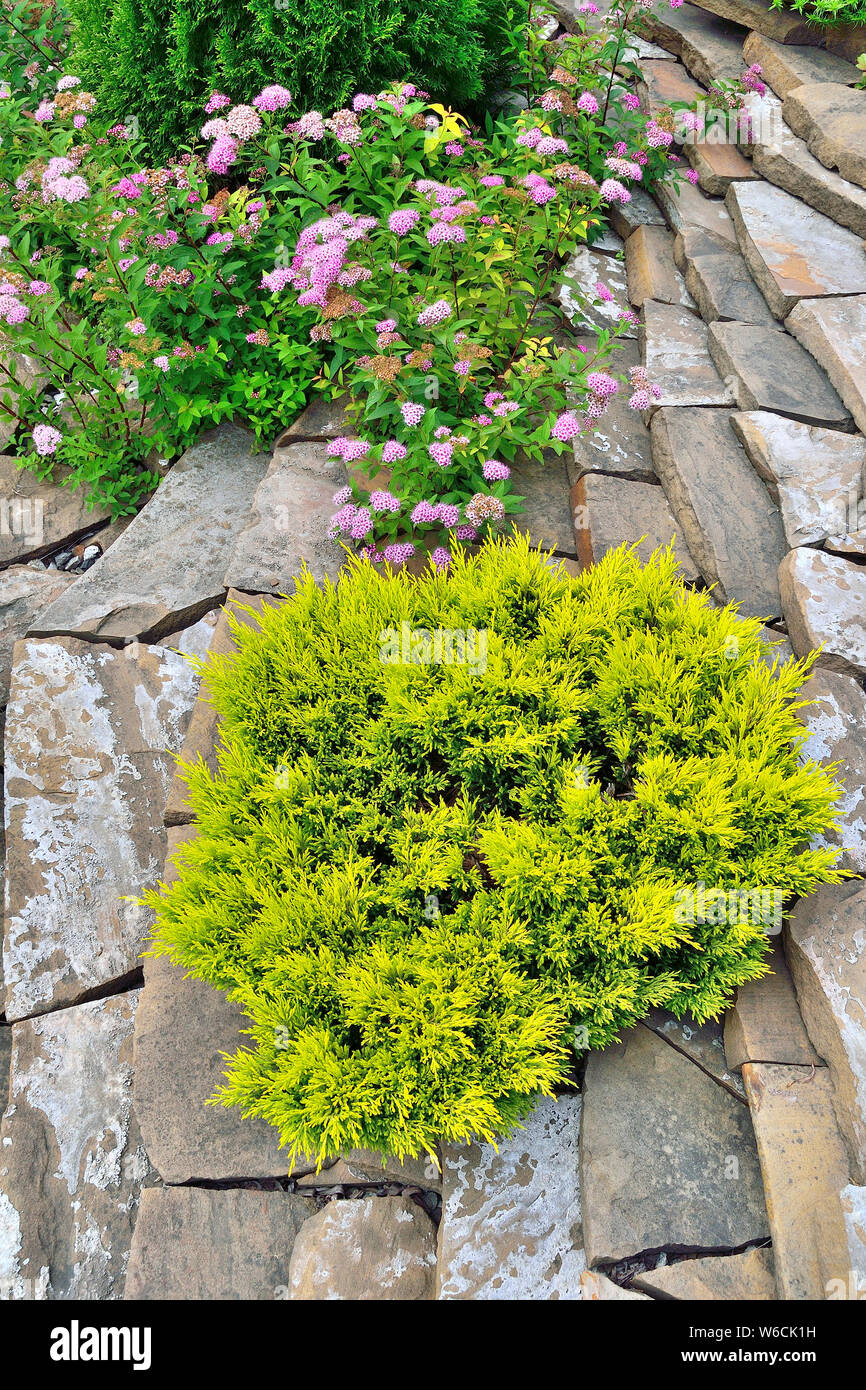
column 349, row 449
column 46, row 440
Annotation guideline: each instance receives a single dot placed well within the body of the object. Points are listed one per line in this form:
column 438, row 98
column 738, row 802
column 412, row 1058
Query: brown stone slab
column 701, row 1042
column 786, row 66
column 768, row 370
column 710, row 47
column 650, row 269
column 39, row 514
column 783, row 25
column 676, row 354
column 764, row 1024
column 640, row 211
column 824, row 603
column 836, row 722
column 372, row 1249
column 730, row 1277
column 686, row 206
column 832, row 120
column 597, row 1288
column 834, row 332
column 24, row 592
column 664, row 82
column 718, row 279
column 609, row 512
column 717, row 166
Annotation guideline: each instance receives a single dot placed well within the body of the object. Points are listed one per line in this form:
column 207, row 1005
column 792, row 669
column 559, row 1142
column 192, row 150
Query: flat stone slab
column 288, row 524
column 90, row 734
column 717, row 277
column 832, row 120
column 785, row 66
column 824, row 602
column 804, row 1168
column 609, row 512
column 815, row 475
column 657, row 1140
column 676, row 354
column 578, row 293
column 214, row 1246
column 167, row 567
column 511, row 1225
column 733, row 528
column 782, row 25
column 37, row 515
column 785, row 159
column 834, row 332
column 662, row 83
column 764, row 1023
column 769, row 370
column 748, row 1276
column 702, row 1043
column 640, row 211
column 717, row 166
column 710, row 47
column 620, row 444
column 686, row 206
column 792, row 251
column 24, row 592
column 827, row 949
column 370, row 1249
column 72, row 1163
column 837, row 734
column 545, row 514
column 650, row 269
column 597, row 1288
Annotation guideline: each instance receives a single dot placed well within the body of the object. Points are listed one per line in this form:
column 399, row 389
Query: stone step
column 804, row 1169
column 710, row 47
column 702, row 1043
column 767, row 369
column 815, row 475
column 792, row 251
column 578, row 292
column 685, row 206
column 782, row 25
column 732, row 527
column 764, row 1023
column 748, row 1276
column 676, row 354
column 717, row 277
column 661, row 83
column 620, row 443
column 834, row 332
column 832, row 120
column 826, row 941
column 650, row 269
column 782, row 157
column 639, row 211
column 836, row 725
column 717, row 166
column 786, row 66
column 609, row 512
column 824, row 603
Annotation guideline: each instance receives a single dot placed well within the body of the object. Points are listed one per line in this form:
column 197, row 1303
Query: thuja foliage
column 419, row 879
column 167, row 55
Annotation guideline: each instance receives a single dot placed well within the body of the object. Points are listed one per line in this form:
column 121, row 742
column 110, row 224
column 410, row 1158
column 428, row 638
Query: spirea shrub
column 454, row 826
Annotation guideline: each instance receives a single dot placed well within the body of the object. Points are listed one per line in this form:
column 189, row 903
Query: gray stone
column 701, row 1042
column 717, row 277
column 837, row 734
column 747, row 1276
column 834, row 332
column 322, row 419
column 5, row 1058
column 196, row 639
column 792, row 251
column 545, row 514
column 288, row 526
column 214, row 1246
column 620, row 443
column 373, row 1248
column 768, row 370
column 676, row 354
column 639, row 211
column 650, row 269
column 72, row 1164
column 815, row 475
column 853, row 1201
column 367, row 1166
column 832, row 121
column 824, row 602
column 732, row 527
column 786, row 66
column 778, row 24
column 511, row 1226
column 827, row 951
column 24, row 592
column 37, row 515
column 711, row 48
column 763, row 1024
column 167, row 567
column 686, row 206
column 785, row 160
column 89, row 741
column 660, row 1144
column 609, row 512
column 579, row 297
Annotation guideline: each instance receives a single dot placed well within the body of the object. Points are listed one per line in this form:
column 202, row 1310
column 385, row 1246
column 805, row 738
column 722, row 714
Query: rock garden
column 433, row 651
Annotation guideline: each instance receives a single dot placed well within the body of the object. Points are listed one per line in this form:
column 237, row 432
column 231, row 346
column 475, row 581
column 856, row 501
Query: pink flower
column 244, row 122
column 79, row 121
column 392, row 451
column 492, row 181
column 441, row 558
column 448, row 514
column 412, row 413
column 612, row 191
column 567, row 427
column 273, row 98
column 692, row 175
column 39, row 287
column 434, row 313
column 44, row 112
column 222, row 154
column 382, row 501
column 342, row 496
column 216, row 101
column 441, row 453
column 423, row 513
column 397, row 555
column 465, row 532
column 495, row 472
column 161, row 363
column 631, row 102
column 136, row 327
column 603, row 292
column 587, row 103
column 211, row 130
column 601, row 384
column 46, row 439
column 363, row 102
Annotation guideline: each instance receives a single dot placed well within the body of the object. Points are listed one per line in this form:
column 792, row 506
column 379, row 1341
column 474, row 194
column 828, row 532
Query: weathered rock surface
column 748, row 1276
column 368, row 1249
column 732, row 527
column 72, row 1164
column 824, row 602
column 786, row 66
column 511, row 1225
column 167, row 567
column 827, row 949
column 717, row 277
column 24, row 592
column 621, row 443
column 686, row 206
column 854, row 1214
column 834, row 332
column 413, row 1172
column 640, row 211
column 288, row 526
column 668, row 1157
column 597, row 1288
column 792, row 251
column 764, row 1023
column 814, row 474
column 662, row 83
column 711, row 48
column 785, row 159
column 609, row 512
column 804, row 1168
column 837, row 734
column 832, row 121
column 5, row 1057
column 545, row 511
column 89, row 736
column 700, row 1042
column 37, row 515
column 196, row 639
column 578, row 293
column 768, row 370
column 717, row 165
column 677, row 356
column 322, row 419
column 650, row 269
column 782, row 25
column 191, row 1244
